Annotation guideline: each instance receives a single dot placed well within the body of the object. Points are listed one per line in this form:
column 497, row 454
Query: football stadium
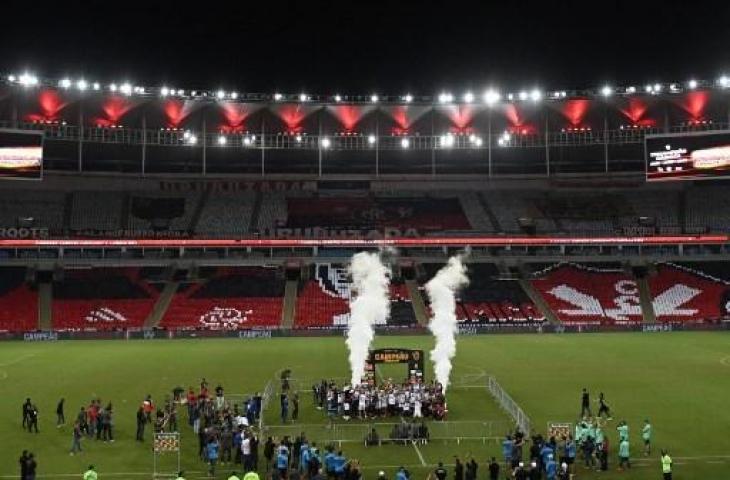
column 502, row 282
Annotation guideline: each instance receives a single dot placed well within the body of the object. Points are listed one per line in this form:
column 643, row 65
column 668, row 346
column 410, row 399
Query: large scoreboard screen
column 688, row 156
column 21, row 154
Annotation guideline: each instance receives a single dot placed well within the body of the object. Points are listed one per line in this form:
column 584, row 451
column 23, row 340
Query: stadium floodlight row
column 490, row 96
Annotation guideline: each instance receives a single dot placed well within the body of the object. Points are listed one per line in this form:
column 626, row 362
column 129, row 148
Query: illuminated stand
column 165, row 443
column 414, row 359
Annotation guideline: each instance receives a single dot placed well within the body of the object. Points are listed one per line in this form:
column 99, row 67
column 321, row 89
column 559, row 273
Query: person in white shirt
column 246, row 452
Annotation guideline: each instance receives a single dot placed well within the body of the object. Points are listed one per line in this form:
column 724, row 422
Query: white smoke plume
column 441, row 291
column 371, row 305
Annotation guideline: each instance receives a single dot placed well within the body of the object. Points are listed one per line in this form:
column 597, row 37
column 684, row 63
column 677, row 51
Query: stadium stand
column 684, row 294
column 43, row 209
column 101, row 299
column 96, row 211
column 489, row 298
column 233, row 298
column 162, row 211
column 226, row 213
column 589, row 294
column 708, row 209
column 18, row 301
column 90, row 209
column 324, row 299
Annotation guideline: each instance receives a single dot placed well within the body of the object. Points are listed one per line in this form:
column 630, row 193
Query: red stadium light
column 50, row 104
column 461, row 116
column 694, row 103
column 235, row 115
column 635, row 110
column 114, row 108
column 177, row 111
column 349, row 115
column 293, row 115
column 516, row 119
column 405, row 115
column 575, row 110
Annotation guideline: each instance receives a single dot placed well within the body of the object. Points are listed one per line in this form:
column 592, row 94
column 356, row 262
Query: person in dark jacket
column 30, row 467
column 60, row 417
column 493, row 469
column 458, row 469
column 23, row 461
column 141, row 421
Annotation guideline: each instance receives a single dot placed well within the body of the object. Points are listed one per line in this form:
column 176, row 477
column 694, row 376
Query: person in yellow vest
column 90, row 474
column 180, row 476
column 250, row 476
column 233, row 476
column 666, row 465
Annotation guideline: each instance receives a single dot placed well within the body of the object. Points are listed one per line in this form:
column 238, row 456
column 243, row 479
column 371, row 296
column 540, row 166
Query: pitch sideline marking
column 25, row 357
column 725, row 361
column 420, row 455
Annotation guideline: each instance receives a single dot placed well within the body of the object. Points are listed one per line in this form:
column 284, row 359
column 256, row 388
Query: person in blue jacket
column 402, row 474
column 282, row 463
column 329, row 465
column 507, row 446
column 551, row 468
column 340, row 464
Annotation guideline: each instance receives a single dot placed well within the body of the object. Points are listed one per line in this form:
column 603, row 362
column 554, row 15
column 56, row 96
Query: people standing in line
column 26, row 412
column 458, row 469
column 623, row 430
column 295, row 407
column 507, row 446
column 269, row 447
column 33, row 419
column 646, row 432
column 30, row 467
column 282, row 462
column 603, row 408
column 76, row 438
column 92, row 419
column 440, row 472
column 551, row 468
column 585, row 404
column 107, row 423
column 666, row 465
column 141, row 422
column 493, row 469
column 90, row 474
column 23, row 461
column 60, row 417
column 623, row 454
column 284, row 407
column 212, row 455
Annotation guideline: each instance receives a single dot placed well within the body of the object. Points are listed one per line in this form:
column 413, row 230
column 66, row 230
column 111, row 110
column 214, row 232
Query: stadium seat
column 102, row 299
column 18, row 301
column 683, row 294
column 584, row 294
column 232, row 299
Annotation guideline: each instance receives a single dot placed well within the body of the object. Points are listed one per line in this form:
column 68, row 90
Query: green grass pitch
column 681, row 381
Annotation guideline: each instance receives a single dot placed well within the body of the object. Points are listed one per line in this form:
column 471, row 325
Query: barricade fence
column 505, row 401
column 392, row 432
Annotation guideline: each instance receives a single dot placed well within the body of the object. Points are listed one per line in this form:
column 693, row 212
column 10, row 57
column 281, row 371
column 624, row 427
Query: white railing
column 505, row 401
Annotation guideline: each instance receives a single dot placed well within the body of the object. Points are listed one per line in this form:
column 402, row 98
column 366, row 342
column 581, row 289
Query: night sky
column 350, row 48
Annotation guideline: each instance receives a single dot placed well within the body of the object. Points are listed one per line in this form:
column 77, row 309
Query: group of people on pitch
column 412, row 398
column 302, row 459
column 593, row 443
